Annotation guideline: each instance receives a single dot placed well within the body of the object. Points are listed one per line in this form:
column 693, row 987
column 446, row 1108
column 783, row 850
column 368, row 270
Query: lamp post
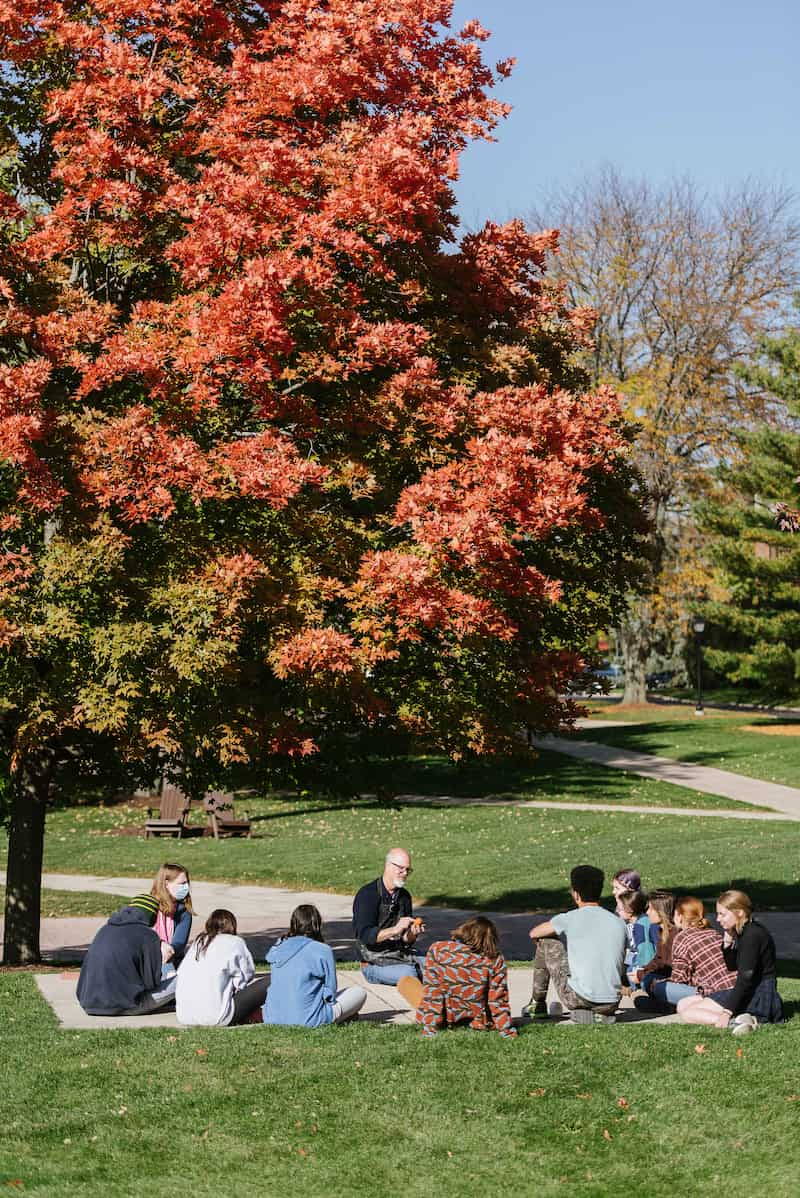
column 699, row 626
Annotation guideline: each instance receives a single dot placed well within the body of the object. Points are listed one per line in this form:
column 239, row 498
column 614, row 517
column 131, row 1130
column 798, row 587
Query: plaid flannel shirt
column 697, row 960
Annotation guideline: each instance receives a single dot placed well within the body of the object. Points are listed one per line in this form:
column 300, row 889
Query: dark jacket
column 122, row 966
column 374, row 909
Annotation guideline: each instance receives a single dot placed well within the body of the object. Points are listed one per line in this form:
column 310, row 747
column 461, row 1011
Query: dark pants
column 550, row 964
column 249, row 998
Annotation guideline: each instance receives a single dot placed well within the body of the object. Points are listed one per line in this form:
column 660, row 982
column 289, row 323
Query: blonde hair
column 691, row 911
column 738, row 902
column 168, row 872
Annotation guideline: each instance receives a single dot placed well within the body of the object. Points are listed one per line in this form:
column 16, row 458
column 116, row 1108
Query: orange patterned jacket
column 460, row 985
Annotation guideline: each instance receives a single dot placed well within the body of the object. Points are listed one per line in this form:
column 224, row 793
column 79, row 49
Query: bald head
column 396, row 868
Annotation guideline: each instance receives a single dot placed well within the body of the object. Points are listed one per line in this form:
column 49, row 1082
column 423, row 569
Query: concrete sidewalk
column 384, row 1004
column 263, row 915
column 771, row 795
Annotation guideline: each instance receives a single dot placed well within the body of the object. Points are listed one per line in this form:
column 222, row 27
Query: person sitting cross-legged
column 587, row 973
column 384, row 926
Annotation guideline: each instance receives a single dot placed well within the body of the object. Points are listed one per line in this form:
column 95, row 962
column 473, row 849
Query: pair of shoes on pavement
column 740, row 1025
column 581, row 1015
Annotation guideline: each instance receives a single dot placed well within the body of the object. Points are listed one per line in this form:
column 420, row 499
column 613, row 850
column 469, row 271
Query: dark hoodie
column 122, row 966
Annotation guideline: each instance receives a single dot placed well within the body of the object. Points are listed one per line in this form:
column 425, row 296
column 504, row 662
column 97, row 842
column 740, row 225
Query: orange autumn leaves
column 343, row 464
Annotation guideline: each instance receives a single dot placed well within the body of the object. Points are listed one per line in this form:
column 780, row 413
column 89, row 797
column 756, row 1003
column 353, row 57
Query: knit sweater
column 461, row 985
column 752, row 955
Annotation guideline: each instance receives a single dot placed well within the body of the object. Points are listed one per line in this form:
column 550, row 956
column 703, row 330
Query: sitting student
column 660, row 906
column 623, row 880
column 698, row 966
column 642, row 934
column 174, row 920
column 302, row 990
column 465, row 982
column 216, row 979
column 121, row 972
column 749, row 949
column 587, row 974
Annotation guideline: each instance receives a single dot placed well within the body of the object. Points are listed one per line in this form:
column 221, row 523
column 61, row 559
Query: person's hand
column 402, row 925
column 167, row 951
column 416, row 927
column 636, row 976
column 723, row 1019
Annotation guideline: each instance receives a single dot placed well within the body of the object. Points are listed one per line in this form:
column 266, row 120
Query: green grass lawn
column 368, row 1110
column 509, row 858
column 719, row 740
column 57, row 904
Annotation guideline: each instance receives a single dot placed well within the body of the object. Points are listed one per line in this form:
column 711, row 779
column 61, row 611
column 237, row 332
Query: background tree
column 278, row 472
column 683, row 287
column 756, row 618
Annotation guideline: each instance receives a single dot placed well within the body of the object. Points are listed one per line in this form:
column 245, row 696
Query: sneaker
column 535, row 1010
column 740, row 1025
column 599, row 1017
column 581, row 1015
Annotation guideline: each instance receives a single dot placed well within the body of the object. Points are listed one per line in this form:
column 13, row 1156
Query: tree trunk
column 30, row 785
column 633, row 639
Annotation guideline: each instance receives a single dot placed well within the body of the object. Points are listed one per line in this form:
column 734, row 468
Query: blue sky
column 708, row 89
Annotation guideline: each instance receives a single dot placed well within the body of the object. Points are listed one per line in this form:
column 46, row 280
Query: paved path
column 263, row 915
column 565, row 805
column 782, row 799
column 384, row 1005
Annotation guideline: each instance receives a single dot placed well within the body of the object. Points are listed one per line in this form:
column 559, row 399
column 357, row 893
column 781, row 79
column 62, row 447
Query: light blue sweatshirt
column 302, row 985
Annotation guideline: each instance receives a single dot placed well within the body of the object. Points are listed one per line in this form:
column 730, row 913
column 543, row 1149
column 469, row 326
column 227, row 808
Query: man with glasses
column 384, row 926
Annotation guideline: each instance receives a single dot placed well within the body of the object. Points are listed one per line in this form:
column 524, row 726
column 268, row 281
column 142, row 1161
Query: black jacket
column 373, row 910
column 122, row 966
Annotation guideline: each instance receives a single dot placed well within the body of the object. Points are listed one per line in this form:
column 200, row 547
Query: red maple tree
column 280, row 462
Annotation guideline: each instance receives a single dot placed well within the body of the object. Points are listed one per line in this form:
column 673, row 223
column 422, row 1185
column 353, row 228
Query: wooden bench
column 171, row 818
column 222, row 817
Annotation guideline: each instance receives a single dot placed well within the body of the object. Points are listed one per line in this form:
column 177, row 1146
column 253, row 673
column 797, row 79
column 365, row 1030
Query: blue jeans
column 665, row 993
column 390, row 975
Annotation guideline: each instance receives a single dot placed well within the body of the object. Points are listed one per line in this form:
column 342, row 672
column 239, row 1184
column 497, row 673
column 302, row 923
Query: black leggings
column 249, row 998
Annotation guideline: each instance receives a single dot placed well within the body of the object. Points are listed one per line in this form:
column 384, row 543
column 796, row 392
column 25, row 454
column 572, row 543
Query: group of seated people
column 662, row 950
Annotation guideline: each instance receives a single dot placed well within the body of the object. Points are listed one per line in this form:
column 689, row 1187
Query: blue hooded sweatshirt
column 302, row 985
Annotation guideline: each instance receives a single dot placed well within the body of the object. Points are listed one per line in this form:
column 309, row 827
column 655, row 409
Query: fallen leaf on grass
column 623, row 1103
column 589, row 1095
column 537, row 1093
column 793, row 1097
column 740, row 1052
column 607, row 1135
column 700, row 1048
column 202, row 1052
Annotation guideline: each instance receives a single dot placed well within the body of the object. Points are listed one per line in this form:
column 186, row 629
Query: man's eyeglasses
column 406, row 869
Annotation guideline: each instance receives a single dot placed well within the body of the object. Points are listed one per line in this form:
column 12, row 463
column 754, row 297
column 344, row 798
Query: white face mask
column 178, row 890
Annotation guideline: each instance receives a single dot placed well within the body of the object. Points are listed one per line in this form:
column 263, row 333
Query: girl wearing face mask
column 174, row 920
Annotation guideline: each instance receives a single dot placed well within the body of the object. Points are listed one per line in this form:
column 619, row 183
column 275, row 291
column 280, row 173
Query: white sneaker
column 740, row 1025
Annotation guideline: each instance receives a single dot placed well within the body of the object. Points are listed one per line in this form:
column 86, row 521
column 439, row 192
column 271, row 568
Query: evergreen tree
column 756, row 553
